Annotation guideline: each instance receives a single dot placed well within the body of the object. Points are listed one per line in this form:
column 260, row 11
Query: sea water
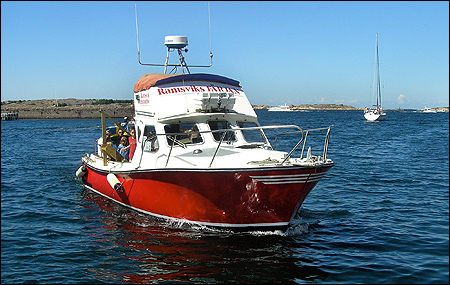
column 380, row 215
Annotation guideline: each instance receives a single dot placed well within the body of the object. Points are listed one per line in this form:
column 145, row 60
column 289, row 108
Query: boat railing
column 325, row 145
column 227, row 133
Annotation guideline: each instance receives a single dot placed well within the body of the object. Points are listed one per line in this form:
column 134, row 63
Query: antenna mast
column 175, row 43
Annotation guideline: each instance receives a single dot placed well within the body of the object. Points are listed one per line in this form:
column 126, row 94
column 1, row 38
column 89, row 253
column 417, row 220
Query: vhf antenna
column 175, row 43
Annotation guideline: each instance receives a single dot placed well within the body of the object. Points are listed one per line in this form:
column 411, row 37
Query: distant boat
column 376, row 113
column 429, row 110
column 10, row 116
column 282, row 108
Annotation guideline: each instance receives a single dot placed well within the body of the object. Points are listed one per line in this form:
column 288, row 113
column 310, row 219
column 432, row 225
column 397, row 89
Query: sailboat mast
column 378, row 77
column 54, row 94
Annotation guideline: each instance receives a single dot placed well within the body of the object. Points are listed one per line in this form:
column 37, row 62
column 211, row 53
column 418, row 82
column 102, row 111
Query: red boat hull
column 242, row 198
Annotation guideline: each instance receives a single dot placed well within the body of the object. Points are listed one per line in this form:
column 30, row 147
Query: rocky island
column 313, row 107
column 68, row 108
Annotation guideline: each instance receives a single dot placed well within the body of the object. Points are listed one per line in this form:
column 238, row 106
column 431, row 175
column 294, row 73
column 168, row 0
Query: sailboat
column 376, row 113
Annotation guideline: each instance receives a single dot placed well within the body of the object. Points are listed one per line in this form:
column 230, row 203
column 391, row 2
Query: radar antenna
column 175, row 43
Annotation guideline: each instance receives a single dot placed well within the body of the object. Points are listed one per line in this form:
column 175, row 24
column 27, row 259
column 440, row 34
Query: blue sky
column 281, row 52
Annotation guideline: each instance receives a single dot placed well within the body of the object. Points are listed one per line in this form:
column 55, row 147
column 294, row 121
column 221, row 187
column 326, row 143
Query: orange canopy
column 149, row 79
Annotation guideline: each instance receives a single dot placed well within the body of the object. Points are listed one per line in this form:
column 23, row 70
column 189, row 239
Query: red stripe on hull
column 213, row 197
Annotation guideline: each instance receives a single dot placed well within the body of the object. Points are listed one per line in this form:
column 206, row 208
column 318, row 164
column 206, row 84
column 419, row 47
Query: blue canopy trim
column 199, row 77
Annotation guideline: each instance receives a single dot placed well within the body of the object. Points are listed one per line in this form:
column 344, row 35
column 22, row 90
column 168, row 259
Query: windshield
column 221, row 125
column 186, row 133
column 251, row 136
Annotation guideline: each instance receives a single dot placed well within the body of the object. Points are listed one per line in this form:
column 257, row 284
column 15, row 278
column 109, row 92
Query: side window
column 138, row 135
column 251, row 136
column 221, row 125
column 150, row 139
column 183, row 133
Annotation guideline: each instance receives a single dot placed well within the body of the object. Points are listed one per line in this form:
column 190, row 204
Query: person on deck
column 118, row 138
column 100, row 142
column 123, row 148
column 132, row 142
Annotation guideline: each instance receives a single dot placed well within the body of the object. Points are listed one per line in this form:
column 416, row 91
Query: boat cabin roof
column 154, row 79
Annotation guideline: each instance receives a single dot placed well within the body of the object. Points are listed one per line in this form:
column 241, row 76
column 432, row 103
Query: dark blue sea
column 380, row 215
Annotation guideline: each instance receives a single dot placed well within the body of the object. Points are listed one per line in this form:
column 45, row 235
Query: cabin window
column 150, row 139
column 183, row 133
column 251, row 136
column 138, row 133
column 221, row 125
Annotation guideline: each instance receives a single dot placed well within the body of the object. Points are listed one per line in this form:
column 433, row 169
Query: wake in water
column 184, row 228
column 297, row 230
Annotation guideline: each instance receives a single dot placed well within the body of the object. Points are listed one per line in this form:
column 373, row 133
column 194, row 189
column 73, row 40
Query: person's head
column 133, row 132
column 120, row 132
column 124, row 141
column 108, row 136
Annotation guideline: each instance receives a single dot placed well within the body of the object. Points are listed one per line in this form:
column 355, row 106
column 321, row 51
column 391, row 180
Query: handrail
column 288, row 133
column 295, row 147
column 225, row 131
column 304, row 144
column 325, row 148
column 171, row 147
column 217, row 149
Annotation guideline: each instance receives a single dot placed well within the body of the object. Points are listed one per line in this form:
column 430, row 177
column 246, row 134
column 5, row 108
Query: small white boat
column 429, row 110
column 376, row 113
column 282, row 108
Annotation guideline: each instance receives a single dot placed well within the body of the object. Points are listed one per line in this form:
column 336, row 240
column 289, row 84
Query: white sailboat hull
column 375, row 116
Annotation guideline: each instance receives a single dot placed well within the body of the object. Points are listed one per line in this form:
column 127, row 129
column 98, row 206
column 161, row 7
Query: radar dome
column 175, row 41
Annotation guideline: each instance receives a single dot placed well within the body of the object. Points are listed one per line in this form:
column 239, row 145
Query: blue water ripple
column 380, row 215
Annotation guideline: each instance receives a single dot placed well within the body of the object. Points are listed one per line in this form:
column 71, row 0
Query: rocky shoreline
column 68, row 108
column 90, row 108
column 313, row 107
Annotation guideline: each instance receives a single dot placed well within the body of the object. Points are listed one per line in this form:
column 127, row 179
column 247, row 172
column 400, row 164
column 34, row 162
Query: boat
column 428, row 110
column 10, row 116
column 202, row 158
column 376, row 112
column 282, row 108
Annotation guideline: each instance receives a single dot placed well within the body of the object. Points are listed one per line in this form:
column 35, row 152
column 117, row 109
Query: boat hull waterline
column 237, row 199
